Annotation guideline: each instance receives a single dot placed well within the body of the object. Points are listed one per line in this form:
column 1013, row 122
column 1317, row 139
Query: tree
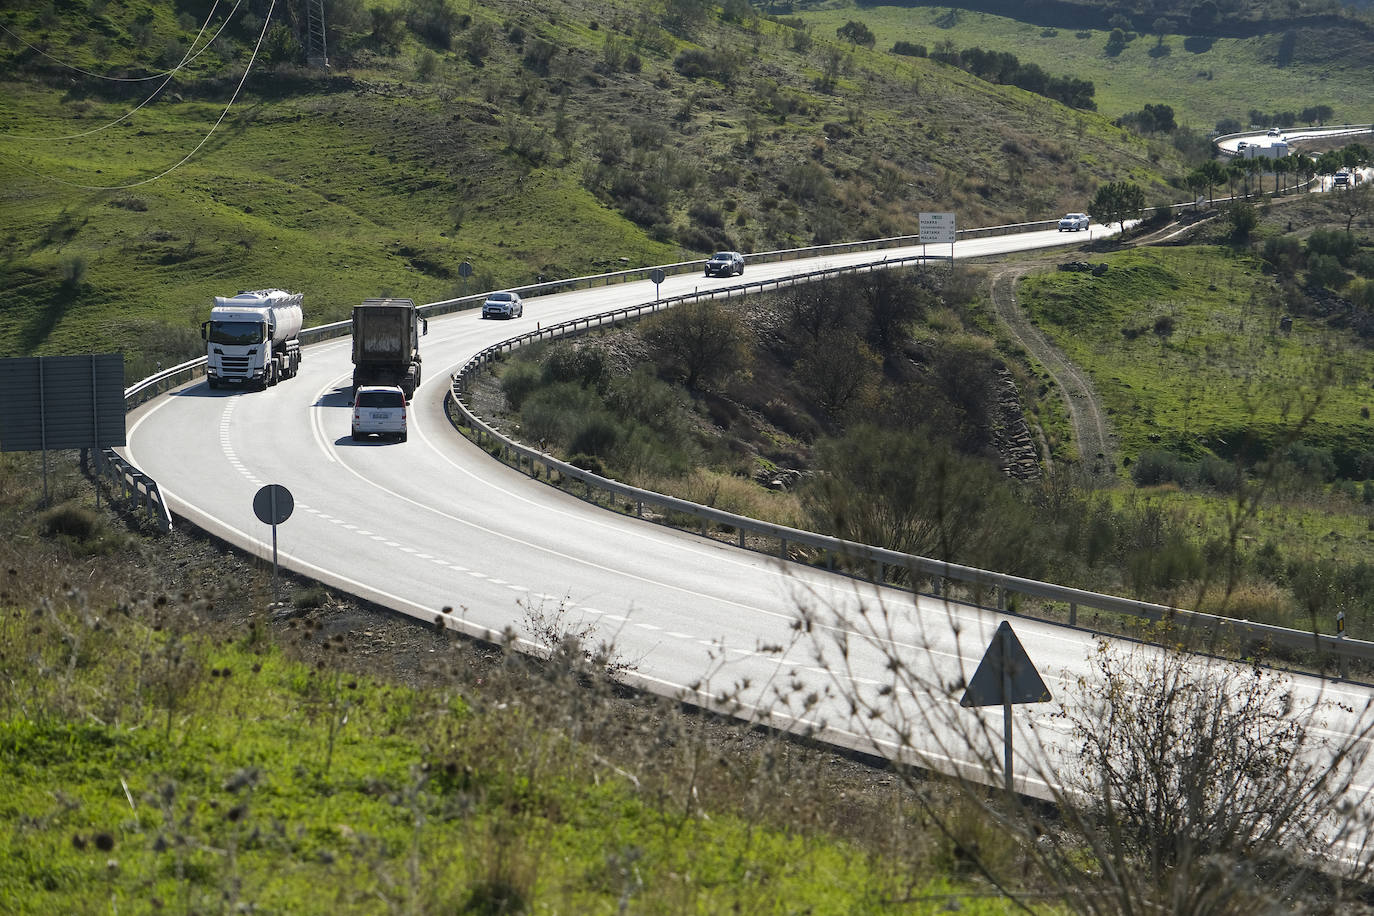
column 1214, row 173
column 1116, row 202
column 1316, row 114
column 1282, row 166
column 1353, row 203
column 1355, row 155
column 1330, row 162
column 1204, row 15
column 1242, row 218
column 856, row 33
column 701, row 340
column 1161, row 27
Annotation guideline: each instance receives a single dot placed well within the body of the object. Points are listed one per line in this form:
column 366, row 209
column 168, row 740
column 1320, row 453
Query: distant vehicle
column 379, row 410
column 253, row 338
column 503, row 305
column 386, row 344
column 1274, row 132
column 1340, row 179
column 725, row 264
column 1072, row 222
column 1241, row 145
column 1276, row 150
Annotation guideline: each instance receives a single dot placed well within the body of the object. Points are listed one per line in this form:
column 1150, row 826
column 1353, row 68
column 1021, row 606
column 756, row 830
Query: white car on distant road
column 1072, row 222
column 503, row 305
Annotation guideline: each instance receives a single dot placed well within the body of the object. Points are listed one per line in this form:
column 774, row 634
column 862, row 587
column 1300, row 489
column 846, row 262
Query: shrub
column 1283, row 253
column 1157, row 466
column 519, row 380
column 1333, row 242
column 1363, row 263
column 1325, row 270
column 72, row 522
column 567, row 362
column 907, row 49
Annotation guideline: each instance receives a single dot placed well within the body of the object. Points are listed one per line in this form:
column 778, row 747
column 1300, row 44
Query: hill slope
column 550, row 140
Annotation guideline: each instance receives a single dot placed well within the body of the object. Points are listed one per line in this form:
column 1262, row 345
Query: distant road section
column 1230, row 143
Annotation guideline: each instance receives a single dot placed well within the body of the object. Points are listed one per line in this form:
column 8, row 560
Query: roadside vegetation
column 887, row 408
column 172, row 741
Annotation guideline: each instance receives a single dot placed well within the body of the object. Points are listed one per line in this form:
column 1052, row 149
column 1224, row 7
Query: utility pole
column 315, row 53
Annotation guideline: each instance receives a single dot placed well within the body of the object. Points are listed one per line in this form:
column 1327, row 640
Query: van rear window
column 381, row 399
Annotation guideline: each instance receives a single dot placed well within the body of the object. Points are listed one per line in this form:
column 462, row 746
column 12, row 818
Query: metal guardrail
column 138, row 489
column 875, row 560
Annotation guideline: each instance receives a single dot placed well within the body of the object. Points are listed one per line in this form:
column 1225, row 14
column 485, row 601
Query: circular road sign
column 465, row 270
column 273, row 504
column 657, row 275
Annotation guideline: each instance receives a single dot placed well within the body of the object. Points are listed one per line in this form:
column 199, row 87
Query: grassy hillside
column 168, row 743
column 1203, row 79
column 547, row 141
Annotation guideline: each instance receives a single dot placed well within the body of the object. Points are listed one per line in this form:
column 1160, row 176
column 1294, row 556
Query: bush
column 1363, row 263
column 1158, row 466
column 1325, row 270
column 907, row 49
column 1283, row 253
column 520, row 379
column 584, row 366
column 1333, row 242
column 70, row 521
column 434, row 21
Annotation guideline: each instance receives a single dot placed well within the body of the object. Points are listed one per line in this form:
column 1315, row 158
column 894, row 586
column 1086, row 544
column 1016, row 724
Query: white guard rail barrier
column 1233, row 632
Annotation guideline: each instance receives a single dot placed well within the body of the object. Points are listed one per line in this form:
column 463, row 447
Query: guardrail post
column 741, row 537
column 1001, row 598
column 782, row 548
column 1073, row 614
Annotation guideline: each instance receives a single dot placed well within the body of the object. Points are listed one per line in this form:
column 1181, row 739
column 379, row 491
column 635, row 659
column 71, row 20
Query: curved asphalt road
column 434, row 523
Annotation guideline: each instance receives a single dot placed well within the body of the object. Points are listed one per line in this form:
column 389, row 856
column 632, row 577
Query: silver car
column 379, row 410
column 503, row 305
column 1072, row 222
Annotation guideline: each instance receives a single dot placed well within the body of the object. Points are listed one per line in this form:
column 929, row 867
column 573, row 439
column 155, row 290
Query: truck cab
column 253, row 338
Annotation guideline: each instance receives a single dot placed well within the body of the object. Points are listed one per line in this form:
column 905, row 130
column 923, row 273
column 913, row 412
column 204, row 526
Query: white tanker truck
column 253, row 338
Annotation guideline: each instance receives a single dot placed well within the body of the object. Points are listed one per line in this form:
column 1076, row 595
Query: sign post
column 657, row 276
column 937, row 228
column 272, row 505
column 465, row 271
column 1005, row 676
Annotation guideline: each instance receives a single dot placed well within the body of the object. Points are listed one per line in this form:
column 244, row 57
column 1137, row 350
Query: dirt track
column 1091, row 429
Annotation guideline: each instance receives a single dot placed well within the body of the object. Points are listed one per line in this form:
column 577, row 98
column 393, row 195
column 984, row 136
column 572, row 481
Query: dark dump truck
column 386, row 344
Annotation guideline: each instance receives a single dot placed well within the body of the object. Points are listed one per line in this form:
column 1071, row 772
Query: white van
column 379, row 410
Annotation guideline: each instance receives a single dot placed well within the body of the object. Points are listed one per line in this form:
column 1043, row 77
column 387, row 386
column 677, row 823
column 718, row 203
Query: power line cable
column 203, row 140
column 170, row 74
column 130, row 79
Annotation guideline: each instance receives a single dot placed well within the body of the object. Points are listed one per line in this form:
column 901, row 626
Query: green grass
column 1203, row 81
column 1223, row 373
column 146, row 769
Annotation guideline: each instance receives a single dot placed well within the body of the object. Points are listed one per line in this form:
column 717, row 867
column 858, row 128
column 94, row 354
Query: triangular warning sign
column 1005, row 671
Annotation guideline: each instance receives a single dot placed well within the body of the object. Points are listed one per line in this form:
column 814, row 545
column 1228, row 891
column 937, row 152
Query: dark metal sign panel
column 54, row 402
column 1005, row 675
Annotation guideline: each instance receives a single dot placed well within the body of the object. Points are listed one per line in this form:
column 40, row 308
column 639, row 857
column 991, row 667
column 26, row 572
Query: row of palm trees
column 1302, row 167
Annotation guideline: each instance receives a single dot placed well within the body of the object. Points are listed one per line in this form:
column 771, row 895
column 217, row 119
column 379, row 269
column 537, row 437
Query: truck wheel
column 212, row 383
